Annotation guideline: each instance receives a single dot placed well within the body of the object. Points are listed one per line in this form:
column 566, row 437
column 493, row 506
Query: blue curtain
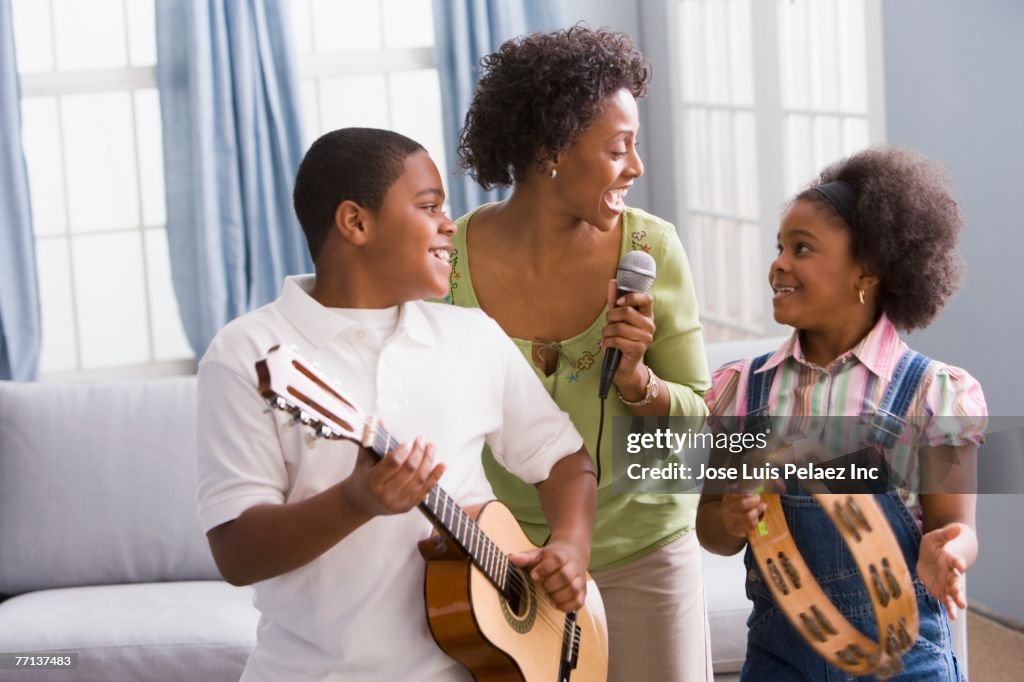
column 229, row 102
column 20, row 324
column 464, row 32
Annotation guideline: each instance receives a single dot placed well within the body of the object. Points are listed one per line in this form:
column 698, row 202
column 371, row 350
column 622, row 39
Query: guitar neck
column 447, row 515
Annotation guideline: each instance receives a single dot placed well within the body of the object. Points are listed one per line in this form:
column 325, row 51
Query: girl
column 870, row 247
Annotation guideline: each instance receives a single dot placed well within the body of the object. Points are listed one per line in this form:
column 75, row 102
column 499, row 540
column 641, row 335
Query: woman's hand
column 630, row 328
column 941, row 565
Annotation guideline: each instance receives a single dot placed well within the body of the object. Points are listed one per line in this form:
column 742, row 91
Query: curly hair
column 907, row 232
column 538, row 92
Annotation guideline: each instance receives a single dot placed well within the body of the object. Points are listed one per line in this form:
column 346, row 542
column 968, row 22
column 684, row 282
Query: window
column 370, row 63
column 92, row 140
column 768, row 93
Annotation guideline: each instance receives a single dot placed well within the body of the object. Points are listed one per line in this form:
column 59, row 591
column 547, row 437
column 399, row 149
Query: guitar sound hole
column 518, row 593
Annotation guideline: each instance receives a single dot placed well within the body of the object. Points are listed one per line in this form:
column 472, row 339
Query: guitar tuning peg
column 325, row 431
column 305, row 418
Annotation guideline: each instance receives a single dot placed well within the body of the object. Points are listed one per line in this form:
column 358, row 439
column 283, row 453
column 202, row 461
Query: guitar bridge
column 570, row 647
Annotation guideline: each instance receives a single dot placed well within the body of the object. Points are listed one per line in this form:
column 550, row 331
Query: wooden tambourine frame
column 870, row 539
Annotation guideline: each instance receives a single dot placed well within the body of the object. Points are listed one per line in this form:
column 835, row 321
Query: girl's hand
column 741, row 512
column 630, row 328
column 941, row 565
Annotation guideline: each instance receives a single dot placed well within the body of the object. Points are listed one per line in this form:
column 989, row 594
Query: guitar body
column 496, row 640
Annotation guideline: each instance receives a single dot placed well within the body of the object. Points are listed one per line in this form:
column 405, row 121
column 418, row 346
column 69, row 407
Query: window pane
column 823, row 55
column 695, row 151
column 855, row 134
column 339, row 26
column 827, row 142
column 408, row 23
column 354, row 101
column 32, row 36
column 40, row 137
column 100, row 154
column 416, row 111
column 151, row 157
column 111, row 300
column 853, row 76
column 799, row 162
column 723, row 177
column 722, row 260
column 741, row 61
column 169, row 342
column 753, row 275
column 57, row 306
column 793, row 53
column 745, row 148
column 716, row 58
column 691, row 51
column 141, row 32
column 90, row 35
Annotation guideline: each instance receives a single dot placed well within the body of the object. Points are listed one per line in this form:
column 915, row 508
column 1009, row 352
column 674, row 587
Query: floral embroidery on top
column 636, row 240
column 453, row 278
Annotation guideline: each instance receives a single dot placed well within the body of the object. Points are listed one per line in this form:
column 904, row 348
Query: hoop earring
column 860, row 292
column 553, row 173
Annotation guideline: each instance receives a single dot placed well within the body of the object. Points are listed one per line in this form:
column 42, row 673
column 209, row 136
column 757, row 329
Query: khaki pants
column 657, row 616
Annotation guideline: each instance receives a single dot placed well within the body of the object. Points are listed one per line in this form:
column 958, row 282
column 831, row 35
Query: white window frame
column 769, row 115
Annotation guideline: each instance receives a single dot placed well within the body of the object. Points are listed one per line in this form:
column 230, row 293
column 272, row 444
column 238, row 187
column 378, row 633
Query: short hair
column 350, row 164
column 907, row 232
column 539, row 92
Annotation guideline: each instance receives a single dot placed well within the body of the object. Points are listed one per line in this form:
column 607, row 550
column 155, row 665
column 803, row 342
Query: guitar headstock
column 292, row 384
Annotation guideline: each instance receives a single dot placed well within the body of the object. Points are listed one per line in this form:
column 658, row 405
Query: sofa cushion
column 98, row 484
column 187, row 631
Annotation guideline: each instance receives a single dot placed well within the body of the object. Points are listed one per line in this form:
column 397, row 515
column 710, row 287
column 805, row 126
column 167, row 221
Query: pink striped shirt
column 947, row 409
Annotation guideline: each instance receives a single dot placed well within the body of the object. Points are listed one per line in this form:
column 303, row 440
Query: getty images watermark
column 814, row 454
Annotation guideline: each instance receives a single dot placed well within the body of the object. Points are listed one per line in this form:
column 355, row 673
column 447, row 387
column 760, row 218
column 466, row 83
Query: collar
column 879, row 350
column 320, row 327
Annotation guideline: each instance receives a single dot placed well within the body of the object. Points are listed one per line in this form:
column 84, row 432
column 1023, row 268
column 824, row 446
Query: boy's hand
column 941, row 565
column 394, row 484
column 560, row 569
column 741, row 512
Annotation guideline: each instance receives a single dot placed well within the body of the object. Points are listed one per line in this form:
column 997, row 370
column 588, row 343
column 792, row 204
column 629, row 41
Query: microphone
column 635, row 274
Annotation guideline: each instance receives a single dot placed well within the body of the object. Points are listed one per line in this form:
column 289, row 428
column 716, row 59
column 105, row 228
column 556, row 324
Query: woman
column 555, row 117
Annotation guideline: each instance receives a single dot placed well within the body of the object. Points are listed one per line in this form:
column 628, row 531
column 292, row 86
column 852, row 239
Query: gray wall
column 954, row 91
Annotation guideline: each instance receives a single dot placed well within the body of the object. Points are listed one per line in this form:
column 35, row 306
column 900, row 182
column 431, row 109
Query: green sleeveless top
column 625, row 526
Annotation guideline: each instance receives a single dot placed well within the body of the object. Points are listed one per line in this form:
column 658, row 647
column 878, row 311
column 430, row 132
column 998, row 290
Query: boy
column 327, row 536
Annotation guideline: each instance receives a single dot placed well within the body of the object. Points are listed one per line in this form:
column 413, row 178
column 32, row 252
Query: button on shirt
column 449, row 374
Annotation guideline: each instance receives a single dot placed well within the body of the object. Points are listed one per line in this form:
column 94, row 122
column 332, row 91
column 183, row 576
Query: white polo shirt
column 447, row 373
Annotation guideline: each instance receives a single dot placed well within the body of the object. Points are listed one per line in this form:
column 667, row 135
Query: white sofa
column 101, row 551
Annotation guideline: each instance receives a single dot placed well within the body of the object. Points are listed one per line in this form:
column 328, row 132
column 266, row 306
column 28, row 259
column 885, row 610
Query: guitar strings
column 516, row 580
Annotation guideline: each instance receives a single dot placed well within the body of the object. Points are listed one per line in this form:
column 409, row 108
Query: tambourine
column 870, row 539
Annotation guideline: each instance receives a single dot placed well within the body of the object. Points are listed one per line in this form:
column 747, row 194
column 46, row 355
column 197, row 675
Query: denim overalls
column 775, row 650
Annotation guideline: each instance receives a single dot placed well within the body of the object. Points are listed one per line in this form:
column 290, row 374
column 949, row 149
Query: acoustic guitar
column 483, row 611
